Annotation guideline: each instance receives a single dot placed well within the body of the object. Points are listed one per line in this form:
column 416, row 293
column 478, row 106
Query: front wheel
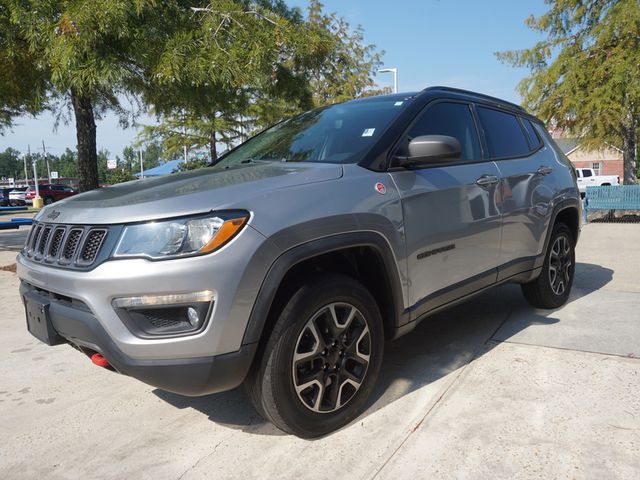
column 322, row 359
column 552, row 288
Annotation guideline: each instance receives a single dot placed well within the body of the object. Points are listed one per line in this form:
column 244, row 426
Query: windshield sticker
column 397, row 104
column 368, row 132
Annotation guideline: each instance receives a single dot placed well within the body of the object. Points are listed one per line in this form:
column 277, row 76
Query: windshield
column 341, row 133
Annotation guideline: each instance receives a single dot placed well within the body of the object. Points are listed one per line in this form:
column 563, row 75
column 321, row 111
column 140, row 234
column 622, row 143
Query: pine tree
column 584, row 76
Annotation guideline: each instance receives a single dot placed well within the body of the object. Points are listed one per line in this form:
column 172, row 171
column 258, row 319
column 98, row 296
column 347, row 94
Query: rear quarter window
column 534, row 139
column 504, row 136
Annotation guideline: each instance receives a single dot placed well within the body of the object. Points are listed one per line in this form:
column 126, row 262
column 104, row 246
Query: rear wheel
column 552, row 288
column 48, row 200
column 322, row 359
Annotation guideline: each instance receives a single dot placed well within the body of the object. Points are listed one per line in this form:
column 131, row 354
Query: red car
column 50, row 193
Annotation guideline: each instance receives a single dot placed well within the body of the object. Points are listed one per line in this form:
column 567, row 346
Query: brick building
column 605, row 161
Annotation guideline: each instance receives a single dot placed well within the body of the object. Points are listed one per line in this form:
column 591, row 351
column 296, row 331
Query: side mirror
column 430, row 149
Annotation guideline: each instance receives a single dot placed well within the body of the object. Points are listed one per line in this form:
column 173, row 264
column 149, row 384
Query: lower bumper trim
column 186, row 376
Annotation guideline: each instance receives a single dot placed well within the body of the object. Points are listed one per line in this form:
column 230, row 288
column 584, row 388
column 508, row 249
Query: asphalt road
column 490, row 389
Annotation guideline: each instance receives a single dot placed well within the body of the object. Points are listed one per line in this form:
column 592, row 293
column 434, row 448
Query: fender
column 311, row 249
column 557, row 208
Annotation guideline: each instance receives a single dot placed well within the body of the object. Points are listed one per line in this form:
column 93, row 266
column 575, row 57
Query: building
column 605, row 161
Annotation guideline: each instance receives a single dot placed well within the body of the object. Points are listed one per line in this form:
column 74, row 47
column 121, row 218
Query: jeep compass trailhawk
column 287, row 263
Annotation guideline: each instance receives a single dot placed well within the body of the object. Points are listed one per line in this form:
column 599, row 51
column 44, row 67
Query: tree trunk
column 212, row 146
column 629, row 144
column 86, row 135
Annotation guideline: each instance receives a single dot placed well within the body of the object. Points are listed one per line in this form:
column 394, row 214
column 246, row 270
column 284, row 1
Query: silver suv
column 288, row 263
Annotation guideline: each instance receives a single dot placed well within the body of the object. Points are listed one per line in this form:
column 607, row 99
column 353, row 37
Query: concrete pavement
column 489, row 389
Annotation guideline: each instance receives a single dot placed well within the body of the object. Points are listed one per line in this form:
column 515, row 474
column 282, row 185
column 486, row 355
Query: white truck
column 588, row 178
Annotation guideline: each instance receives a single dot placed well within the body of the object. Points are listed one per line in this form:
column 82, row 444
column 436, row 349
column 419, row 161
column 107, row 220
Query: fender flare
column 290, row 258
column 559, row 207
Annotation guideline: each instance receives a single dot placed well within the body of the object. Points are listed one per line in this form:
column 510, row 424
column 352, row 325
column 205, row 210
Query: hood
column 185, row 193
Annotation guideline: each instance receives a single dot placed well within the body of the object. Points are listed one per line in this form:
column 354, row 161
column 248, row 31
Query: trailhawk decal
column 429, row 253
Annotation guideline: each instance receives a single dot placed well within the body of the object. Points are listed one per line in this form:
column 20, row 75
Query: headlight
column 180, row 237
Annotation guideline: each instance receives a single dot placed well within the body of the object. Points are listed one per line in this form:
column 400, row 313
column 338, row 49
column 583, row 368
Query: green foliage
column 11, row 165
column 584, row 76
column 119, row 175
column 192, row 165
column 341, row 66
column 66, row 164
column 301, row 64
column 22, row 87
column 210, row 71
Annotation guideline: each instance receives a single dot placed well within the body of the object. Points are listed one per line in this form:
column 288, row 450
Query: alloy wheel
column 331, row 357
column 560, row 263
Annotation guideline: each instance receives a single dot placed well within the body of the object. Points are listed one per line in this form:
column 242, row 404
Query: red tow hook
column 99, row 360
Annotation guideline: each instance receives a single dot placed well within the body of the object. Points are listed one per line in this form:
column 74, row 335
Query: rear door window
column 504, row 136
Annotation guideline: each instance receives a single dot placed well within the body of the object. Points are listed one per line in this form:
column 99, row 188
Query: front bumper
column 186, row 376
column 234, row 275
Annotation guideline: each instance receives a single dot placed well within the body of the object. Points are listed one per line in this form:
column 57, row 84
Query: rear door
column 526, row 186
column 452, row 225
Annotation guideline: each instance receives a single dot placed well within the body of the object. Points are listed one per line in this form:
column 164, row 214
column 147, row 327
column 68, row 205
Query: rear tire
column 322, row 358
column 552, row 287
column 48, row 200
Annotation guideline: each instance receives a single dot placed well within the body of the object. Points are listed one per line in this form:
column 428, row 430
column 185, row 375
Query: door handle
column 487, row 180
column 544, row 170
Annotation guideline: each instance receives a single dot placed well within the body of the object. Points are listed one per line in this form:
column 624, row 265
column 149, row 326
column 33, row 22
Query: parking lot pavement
column 489, row 389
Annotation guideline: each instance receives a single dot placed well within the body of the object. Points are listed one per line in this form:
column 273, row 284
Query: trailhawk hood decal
column 184, row 193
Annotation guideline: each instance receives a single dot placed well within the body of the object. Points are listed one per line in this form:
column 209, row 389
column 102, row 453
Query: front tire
column 552, row 287
column 322, row 359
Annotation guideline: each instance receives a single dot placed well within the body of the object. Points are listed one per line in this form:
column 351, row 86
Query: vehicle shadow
column 438, row 346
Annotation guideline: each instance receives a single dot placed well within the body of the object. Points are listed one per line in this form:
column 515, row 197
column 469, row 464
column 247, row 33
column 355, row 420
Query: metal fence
column 622, row 203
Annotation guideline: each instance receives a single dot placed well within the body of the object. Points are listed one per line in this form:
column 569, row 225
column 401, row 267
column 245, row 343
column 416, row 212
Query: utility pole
column 44, row 151
column 141, row 164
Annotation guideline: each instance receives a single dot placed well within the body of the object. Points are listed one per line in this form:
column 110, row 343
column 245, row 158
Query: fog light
column 194, row 318
column 165, row 315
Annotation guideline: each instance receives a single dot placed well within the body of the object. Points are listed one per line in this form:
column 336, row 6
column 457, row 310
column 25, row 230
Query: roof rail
column 476, row 94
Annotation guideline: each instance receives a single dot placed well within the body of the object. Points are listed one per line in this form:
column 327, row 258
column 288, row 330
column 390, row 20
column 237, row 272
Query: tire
column 48, row 200
column 552, row 287
column 338, row 362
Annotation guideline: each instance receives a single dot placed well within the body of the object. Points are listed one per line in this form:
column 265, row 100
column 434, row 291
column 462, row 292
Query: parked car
column 16, row 196
column 588, row 178
column 50, row 193
column 288, row 263
column 4, row 196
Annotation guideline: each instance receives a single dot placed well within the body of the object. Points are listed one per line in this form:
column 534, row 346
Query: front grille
column 71, row 245
column 35, row 233
column 42, row 241
column 92, row 245
column 56, row 242
column 67, row 246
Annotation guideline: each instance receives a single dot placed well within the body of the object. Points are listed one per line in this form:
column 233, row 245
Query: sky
column 431, row 42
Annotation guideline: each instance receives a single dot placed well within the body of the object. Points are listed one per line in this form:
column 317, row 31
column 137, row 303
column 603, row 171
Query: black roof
column 475, row 95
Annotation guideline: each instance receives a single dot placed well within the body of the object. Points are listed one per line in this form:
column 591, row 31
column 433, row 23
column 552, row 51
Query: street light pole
column 37, row 201
column 393, row 70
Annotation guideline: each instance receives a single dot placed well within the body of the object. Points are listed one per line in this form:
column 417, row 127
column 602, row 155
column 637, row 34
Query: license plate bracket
column 39, row 322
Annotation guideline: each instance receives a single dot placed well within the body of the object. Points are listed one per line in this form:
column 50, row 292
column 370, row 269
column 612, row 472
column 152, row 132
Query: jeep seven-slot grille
column 92, row 245
column 69, row 246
